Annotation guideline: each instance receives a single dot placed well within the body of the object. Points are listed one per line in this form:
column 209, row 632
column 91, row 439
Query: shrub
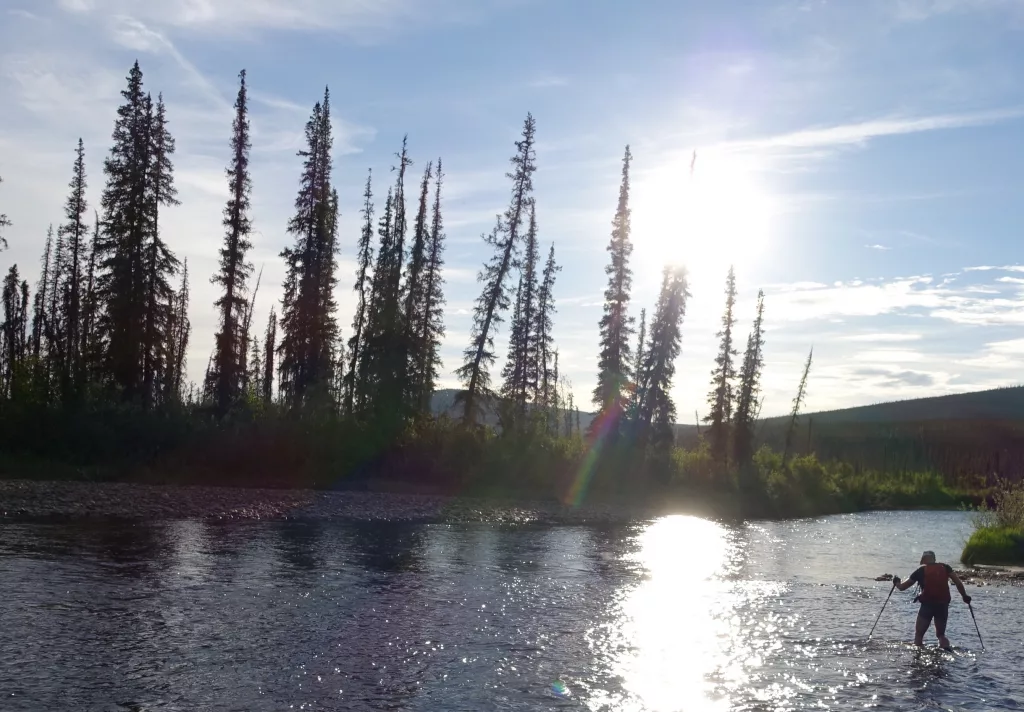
column 994, row 545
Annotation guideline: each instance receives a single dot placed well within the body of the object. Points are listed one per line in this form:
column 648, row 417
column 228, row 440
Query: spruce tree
column 614, row 365
column 543, row 323
column 74, row 232
column 494, row 299
column 307, row 318
column 656, row 409
column 383, row 378
column 512, row 374
column 362, row 289
column 750, row 388
column 161, row 264
column 179, row 329
column 721, row 397
column 375, row 329
column 416, row 297
column 127, row 203
column 4, row 222
column 529, row 379
column 798, row 403
column 53, row 324
column 254, row 371
column 90, row 347
column 234, row 269
column 269, row 345
column 40, row 301
column 13, row 333
column 638, row 364
column 431, row 329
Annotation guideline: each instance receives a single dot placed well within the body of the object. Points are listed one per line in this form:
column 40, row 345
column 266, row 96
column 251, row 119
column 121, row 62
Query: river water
column 676, row 614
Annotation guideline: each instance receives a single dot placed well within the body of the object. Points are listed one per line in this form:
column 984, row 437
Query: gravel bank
column 24, row 499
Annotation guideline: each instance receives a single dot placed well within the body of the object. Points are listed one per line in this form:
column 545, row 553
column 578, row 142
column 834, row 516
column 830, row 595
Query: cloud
column 878, row 247
column 881, row 338
column 917, row 379
column 859, row 133
column 548, row 81
column 922, row 10
column 353, row 17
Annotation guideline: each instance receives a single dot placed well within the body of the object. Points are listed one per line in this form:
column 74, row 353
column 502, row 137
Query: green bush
column 995, row 546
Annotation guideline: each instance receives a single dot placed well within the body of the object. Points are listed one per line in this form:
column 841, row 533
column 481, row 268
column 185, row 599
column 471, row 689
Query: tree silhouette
column 614, row 367
column 494, row 299
column 234, row 270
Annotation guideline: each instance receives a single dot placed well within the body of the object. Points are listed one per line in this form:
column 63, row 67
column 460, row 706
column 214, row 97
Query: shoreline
column 60, row 499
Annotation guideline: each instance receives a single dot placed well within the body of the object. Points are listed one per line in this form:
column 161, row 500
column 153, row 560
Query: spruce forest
column 93, row 369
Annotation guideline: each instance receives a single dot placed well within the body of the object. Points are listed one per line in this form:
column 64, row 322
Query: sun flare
column 706, row 213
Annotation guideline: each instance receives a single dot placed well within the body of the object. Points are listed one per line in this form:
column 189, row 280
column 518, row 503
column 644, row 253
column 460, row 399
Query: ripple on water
column 676, row 614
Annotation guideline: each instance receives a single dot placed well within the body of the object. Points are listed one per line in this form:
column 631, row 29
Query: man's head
column 927, row 557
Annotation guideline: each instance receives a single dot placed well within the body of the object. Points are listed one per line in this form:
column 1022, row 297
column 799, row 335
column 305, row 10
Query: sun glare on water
column 678, row 625
column 706, row 214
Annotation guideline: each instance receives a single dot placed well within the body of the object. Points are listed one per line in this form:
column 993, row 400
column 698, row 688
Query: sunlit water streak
column 678, row 614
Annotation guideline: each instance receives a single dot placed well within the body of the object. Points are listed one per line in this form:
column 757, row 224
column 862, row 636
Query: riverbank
column 32, row 499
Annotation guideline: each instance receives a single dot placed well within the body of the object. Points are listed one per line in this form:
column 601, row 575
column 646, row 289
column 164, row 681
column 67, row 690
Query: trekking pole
column 971, row 608
column 883, row 609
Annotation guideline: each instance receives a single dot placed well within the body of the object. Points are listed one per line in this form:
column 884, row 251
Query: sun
column 705, row 213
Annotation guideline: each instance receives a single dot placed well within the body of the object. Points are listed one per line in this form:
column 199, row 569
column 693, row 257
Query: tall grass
column 998, row 536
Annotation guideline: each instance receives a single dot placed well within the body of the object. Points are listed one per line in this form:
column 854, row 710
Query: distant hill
column 998, row 404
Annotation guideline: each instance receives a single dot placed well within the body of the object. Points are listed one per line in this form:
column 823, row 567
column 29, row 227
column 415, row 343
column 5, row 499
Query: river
column 680, row 613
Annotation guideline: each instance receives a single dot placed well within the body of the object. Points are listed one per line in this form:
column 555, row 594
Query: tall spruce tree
column 494, row 299
column 73, row 291
column 798, row 403
column 307, row 318
column 614, row 362
column 14, row 340
column 721, row 397
column 40, row 302
column 750, row 388
column 431, row 315
column 656, row 409
column 512, row 374
column 543, row 324
column 529, row 379
column 160, row 263
column 375, row 332
column 234, row 269
column 416, row 297
column 4, row 222
column 638, row 365
column 53, row 324
column 269, row 346
column 127, row 203
column 386, row 348
column 179, row 329
column 90, row 347
column 362, row 288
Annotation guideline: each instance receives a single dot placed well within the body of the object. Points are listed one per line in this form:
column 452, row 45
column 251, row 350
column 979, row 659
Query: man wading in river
column 934, row 597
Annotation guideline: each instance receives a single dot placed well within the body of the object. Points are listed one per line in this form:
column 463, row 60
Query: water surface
column 677, row 614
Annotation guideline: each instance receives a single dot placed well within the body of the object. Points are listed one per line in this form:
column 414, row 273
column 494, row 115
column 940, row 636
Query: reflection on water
column 677, row 614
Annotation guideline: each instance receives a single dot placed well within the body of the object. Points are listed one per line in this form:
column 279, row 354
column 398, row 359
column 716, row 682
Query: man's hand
column 895, row 580
column 967, row 600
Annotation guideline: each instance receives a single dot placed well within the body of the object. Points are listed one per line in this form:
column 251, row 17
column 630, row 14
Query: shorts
column 938, row 611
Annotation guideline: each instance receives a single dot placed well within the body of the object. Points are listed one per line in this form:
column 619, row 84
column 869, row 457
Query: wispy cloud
column 859, row 133
column 881, row 338
column 878, row 247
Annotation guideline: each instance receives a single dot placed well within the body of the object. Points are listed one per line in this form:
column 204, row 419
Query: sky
column 861, row 161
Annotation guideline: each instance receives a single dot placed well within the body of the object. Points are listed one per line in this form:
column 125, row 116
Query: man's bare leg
column 921, row 629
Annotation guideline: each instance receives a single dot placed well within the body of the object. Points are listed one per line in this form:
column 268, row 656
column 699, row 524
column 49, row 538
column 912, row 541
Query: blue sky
column 862, row 161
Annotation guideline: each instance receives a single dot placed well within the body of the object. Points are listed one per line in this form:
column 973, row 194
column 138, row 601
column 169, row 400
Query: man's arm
column 960, row 587
column 902, row 585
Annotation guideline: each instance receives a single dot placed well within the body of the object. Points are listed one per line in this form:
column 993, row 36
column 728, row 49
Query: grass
column 998, row 537
column 995, row 546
